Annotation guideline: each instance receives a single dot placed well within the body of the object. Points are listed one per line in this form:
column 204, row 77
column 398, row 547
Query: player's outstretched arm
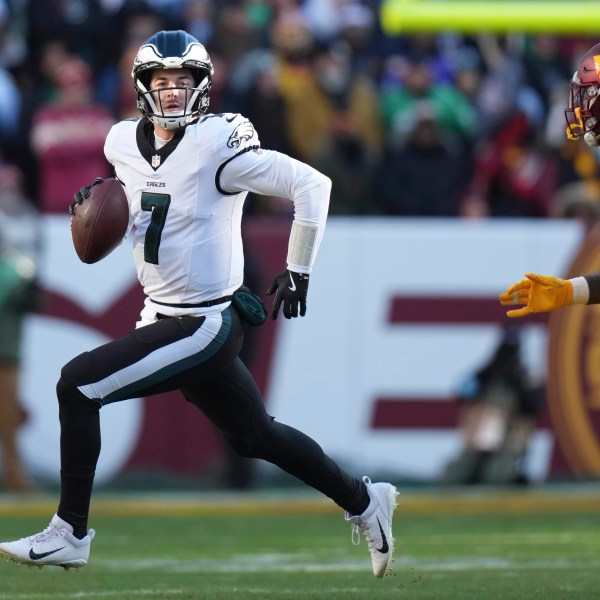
column 537, row 293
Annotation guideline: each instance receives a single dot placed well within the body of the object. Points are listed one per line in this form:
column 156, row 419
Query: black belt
column 204, row 304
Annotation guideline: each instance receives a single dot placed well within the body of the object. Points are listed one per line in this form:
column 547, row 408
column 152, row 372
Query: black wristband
column 593, row 281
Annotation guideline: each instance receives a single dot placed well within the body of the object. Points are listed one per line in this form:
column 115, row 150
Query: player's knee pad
column 67, row 392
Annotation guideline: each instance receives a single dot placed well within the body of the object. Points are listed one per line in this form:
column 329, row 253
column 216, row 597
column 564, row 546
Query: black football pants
column 199, row 356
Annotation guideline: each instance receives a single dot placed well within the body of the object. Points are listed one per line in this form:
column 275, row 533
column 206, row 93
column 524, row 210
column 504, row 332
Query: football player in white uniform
column 186, row 174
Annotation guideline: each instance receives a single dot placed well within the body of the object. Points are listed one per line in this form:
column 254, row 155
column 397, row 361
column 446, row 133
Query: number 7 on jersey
column 158, row 205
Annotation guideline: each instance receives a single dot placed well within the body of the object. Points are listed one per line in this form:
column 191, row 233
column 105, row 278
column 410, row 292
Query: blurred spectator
column 291, row 37
column 11, row 54
column 254, row 91
column 500, row 405
column 352, row 167
column 424, row 171
column 82, row 26
column 198, row 20
column 171, row 11
column 10, row 108
column 220, row 84
column 118, row 85
column 467, row 74
column 67, row 137
column 332, row 20
column 317, row 83
column 514, row 174
column 235, row 33
column 38, row 88
column 13, row 28
column 356, row 27
column 323, row 17
column 546, row 65
column 114, row 86
column 408, row 82
column 19, row 294
column 504, row 88
column 435, row 51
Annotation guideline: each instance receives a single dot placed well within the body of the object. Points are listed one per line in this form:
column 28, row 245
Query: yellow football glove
column 539, row 293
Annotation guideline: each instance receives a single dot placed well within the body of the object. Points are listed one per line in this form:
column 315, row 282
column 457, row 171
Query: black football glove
column 82, row 194
column 291, row 289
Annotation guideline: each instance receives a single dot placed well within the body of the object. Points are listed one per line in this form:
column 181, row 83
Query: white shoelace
column 357, row 529
column 355, row 534
column 49, row 533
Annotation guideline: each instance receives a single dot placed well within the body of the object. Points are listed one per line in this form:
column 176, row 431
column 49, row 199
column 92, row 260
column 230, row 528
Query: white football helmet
column 172, row 50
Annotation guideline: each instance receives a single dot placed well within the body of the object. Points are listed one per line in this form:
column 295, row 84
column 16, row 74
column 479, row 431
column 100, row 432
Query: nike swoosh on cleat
column 35, row 556
column 293, row 286
column 384, row 546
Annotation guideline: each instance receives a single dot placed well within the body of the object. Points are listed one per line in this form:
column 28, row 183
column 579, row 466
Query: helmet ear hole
column 145, row 77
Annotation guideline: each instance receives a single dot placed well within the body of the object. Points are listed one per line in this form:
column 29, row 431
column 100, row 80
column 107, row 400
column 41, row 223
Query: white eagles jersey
column 186, row 233
column 186, row 202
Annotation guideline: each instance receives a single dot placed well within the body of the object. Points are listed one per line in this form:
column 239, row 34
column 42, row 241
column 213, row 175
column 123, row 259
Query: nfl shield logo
column 155, row 161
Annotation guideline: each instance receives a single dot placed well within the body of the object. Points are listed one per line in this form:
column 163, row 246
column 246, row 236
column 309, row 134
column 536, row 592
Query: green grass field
column 495, row 545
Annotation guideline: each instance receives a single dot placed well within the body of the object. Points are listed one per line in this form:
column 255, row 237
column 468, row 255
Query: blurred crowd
column 415, row 125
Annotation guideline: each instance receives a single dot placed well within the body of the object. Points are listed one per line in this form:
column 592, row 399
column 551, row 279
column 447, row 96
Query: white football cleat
column 376, row 525
column 56, row 546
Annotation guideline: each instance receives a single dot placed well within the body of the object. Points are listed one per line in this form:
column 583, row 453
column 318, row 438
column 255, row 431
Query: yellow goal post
column 400, row 17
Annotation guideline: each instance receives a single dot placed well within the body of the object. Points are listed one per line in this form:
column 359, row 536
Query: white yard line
column 294, row 563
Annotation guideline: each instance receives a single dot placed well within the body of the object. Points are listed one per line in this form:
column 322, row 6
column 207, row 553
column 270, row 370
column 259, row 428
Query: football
column 99, row 221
